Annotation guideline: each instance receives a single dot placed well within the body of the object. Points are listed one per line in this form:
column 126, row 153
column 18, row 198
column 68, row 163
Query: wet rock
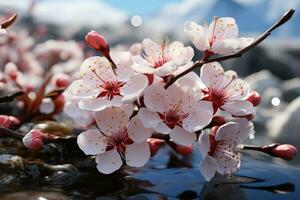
column 263, row 80
column 35, row 195
column 55, row 128
column 291, row 89
column 284, row 127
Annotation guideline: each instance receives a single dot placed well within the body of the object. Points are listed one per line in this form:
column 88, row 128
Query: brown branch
column 9, row 21
column 262, row 37
column 11, row 97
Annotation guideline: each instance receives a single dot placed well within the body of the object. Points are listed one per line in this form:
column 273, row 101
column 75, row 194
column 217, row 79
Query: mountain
column 252, row 16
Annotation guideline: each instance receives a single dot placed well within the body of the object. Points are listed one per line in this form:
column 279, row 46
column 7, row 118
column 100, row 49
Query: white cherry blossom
column 118, row 139
column 175, row 111
column 220, row 152
column 221, row 37
column 101, row 87
column 225, row 90
column 160, row 59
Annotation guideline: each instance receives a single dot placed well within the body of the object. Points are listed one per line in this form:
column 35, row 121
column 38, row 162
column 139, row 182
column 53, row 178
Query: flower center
column 119, row 141
column 217, row 97
column 110, row 89
column 160, row 62
column 173, row 118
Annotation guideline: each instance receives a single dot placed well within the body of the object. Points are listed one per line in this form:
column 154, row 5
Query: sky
column 139, row 7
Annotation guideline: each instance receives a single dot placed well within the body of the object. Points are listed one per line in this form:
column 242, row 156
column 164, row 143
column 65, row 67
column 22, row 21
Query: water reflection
column 168, row 177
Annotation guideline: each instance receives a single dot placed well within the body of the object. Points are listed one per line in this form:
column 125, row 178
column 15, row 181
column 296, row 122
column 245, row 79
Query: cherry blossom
column 100, row 86
column 220, row 151
column 175, row 111
column 118, row 139
column 221, row 37
column 225, row 90
column 160, row 59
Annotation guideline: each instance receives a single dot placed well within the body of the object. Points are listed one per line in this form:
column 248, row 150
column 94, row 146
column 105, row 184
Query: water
column 171, row 177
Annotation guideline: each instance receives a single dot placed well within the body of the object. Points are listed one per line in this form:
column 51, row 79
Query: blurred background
column 49, row 34
column 272, row 68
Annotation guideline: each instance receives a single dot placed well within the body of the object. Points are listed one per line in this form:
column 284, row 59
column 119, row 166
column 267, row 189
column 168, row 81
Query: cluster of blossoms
column 128, row 97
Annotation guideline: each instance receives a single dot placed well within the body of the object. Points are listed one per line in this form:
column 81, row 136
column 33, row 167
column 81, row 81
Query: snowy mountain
column 252, row 16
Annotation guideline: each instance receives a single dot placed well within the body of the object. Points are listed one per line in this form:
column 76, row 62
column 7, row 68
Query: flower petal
column 208, row 167
column 152, row 120
column 156, row 97
column 239, row 108
column 95, row 104
column 180, row 54
column 238, row 90
column 137, row 154
column 227, row 131
column 182, row 137
column 136, row 130
column 82, row 89
column 223, row 28
column 199, row 117
column 113, row 119
column 204, row 143
column 212, row 75
column 109, row 161
column 197, row 34
column 228, row 46
column 133, row 88
column 92, row 142
column 123, row 60
column 95, row 69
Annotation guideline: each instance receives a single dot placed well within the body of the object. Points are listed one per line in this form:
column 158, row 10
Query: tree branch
column 262, row 37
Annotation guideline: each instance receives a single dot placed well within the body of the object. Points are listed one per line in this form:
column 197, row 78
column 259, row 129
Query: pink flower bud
column 154, row 145
column 34, row 139
column 98, row 42
column 8, row 121
column 254, row 98
column 285, row 151
column 4, row 121
column 62, row 80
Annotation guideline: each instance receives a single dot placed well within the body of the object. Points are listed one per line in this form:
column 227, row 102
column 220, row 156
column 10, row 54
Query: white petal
column 180, row 54
column 166, row 69
column 199, row 117
column 137, row 154
column 212, row 75
column 223, row 28
column 245, row 129
column 238, row 90
column 47, row 106
column 141, row 65
column 109, row 161
column 204, row 143
column 208, row 167
column 156, row 98
column 123, row 60
column 94, row 67
column 82, row 89
column 197, row 34
column 182, row 137
column 133, row 88
column 151, row 49
column 227, row 131
column 152, row 120
column 136, row 130
column 92, row 142
column 95, row 104
column 112, row 119
column 229, row 46
column 239, row 108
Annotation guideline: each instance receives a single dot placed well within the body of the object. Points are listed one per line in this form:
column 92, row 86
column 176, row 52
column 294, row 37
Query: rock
column 284, row 127
column 291, row 89
column 263, row 80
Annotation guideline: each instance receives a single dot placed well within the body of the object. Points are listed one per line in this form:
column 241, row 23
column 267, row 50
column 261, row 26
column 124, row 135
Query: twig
column 262, row 37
